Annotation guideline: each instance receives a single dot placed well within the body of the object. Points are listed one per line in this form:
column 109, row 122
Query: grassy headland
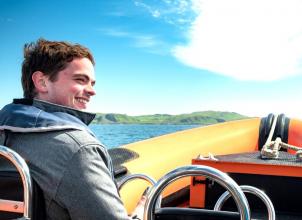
column 203, row 118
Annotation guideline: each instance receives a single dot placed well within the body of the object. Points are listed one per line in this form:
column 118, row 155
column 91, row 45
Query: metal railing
column 22, row 168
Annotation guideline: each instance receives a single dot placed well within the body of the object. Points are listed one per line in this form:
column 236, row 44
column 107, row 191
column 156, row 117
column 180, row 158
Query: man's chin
column 81, row 107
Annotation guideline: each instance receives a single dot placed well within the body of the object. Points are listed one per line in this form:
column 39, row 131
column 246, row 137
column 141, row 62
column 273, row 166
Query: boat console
column 279, row 178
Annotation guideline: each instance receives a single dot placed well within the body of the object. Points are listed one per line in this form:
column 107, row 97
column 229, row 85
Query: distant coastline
column 199, row 118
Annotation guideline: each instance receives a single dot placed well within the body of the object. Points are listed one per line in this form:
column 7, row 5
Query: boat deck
column 284, row 159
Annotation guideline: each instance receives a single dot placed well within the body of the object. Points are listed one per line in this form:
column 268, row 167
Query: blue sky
column 169, row 56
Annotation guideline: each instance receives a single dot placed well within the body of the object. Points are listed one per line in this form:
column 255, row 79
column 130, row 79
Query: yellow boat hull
column 159, row 155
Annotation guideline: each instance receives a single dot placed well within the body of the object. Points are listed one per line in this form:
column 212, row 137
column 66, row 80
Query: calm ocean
column 116, row 135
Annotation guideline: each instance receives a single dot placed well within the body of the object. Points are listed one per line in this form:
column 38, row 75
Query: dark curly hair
column 49, row 57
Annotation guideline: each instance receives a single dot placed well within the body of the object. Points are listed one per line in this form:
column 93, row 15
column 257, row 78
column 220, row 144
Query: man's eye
column 80, row 80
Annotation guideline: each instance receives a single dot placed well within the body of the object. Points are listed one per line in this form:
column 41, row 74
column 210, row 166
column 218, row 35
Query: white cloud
column 176, row 12
column 6, row 19
column 114, row 32
column 245, row 39
column 146, row 41
column 149, row 42
column 154, row 12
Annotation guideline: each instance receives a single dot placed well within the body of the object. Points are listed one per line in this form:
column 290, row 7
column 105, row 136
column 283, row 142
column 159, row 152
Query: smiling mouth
column 82, row 100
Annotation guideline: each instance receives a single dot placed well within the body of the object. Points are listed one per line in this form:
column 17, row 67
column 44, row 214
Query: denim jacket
column 70, row 165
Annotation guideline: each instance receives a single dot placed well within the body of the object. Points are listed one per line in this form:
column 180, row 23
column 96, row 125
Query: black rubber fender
column 264, row 129
column 281, row 129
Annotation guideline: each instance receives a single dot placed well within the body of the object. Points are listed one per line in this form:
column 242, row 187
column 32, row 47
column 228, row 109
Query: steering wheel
column 195, row 170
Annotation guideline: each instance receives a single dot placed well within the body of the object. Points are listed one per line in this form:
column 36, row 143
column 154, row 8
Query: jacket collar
column 85, row 117
column 25, row 115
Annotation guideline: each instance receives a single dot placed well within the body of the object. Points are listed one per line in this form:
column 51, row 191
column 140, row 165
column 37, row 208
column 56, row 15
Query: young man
column 49, row 130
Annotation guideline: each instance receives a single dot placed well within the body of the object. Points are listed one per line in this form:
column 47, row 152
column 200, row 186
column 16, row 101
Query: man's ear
column 40, row 80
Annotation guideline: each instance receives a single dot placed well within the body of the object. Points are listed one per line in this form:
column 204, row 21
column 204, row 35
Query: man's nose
column 90, row 90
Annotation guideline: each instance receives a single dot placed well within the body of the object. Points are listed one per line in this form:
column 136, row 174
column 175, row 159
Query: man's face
column 73, row 86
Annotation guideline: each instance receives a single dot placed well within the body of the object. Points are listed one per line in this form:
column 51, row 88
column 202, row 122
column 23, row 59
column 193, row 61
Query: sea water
column 115, row 135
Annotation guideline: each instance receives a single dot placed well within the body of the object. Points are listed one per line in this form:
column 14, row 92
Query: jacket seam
column 38, row 115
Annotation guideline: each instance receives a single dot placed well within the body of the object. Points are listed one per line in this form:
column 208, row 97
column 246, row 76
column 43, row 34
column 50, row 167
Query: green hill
column 203, row 118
